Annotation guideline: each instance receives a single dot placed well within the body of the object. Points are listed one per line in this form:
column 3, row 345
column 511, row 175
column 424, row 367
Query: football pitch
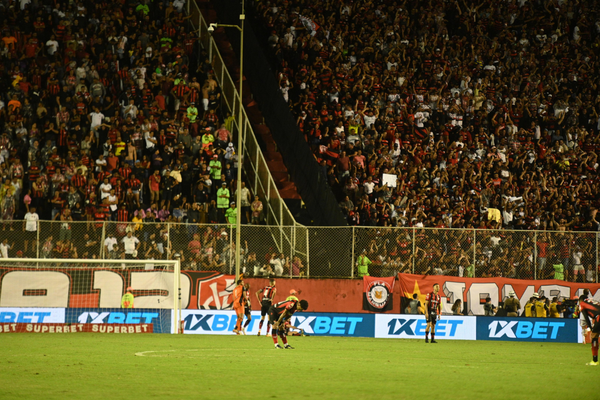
column 117, row 366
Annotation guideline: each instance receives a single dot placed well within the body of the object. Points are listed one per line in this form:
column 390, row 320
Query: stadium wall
column 80, row 288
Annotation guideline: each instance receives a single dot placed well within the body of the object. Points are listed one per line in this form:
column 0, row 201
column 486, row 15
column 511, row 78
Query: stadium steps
column 287, row 189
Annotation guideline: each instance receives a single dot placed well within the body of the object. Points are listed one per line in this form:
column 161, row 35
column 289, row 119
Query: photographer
column 489, row 308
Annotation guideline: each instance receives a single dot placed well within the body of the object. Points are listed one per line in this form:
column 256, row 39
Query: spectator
column 501, row 135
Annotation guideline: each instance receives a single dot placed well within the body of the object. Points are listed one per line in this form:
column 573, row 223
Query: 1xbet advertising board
column 217, row 322
column 32, row 315
column 159, row 318
column 528, row 330
column 408, row 326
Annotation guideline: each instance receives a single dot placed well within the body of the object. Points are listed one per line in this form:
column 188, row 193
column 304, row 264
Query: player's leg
column 428, row 328
column 263, row 311
column 282, row 331
column 240, row 318
column 595, row 334
column 248, row 319
column 238, row 324
column 433, row 320
column 272, row 319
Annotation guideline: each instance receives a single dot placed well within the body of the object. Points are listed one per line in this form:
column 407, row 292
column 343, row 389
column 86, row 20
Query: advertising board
column 407, row 326
column 528, row 330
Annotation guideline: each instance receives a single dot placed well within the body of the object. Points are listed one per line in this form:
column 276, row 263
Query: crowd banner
column 378, row 294
column 474, row 291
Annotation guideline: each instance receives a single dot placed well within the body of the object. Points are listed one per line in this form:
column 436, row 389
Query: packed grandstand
column 422, row 114
column 476, row 114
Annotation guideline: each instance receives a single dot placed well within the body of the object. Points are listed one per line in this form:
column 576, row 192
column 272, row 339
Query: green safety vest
column 127, row 300
column 363, row 266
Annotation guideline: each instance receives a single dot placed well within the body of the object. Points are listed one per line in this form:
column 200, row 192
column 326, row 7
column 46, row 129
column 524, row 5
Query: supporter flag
column 310, row 25
column 378, row 293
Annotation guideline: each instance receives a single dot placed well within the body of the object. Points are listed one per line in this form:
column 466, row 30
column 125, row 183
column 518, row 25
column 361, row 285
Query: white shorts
column 578, row 269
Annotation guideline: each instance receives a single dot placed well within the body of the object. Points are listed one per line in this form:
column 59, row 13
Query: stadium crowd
column 109, row 112
column 459, row 114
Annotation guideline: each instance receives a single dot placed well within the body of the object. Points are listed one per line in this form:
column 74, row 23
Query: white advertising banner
column 407, row 326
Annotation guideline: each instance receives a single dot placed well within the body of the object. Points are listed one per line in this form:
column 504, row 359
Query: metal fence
column 256, row 170
column 318, row 252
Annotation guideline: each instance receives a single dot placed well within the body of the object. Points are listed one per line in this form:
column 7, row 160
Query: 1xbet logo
column 416, row 327
column 524, row 329
column 117, row 318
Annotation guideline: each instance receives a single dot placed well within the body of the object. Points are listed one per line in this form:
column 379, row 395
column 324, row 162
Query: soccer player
column 433, row 305
column 280, row 313
column 265, row 296
column 238, row 305
column 127, row 299
column 590, row 309
column 247, row 307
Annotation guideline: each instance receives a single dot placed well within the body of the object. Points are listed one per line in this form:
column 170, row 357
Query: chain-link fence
column 298, row 251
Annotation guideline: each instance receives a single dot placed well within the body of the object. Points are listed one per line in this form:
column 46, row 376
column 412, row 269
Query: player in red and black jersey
column 265, row 296
column 590, row 309
column 281, row 312
column 433, row 305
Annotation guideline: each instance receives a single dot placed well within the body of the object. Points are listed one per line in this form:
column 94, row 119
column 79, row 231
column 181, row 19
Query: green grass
column 110, row 366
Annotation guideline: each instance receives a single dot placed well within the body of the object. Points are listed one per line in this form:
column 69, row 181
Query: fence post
column 37, row 244
column 353, row 252
column 474, row 251
column 414, row 249
column 307, row 254
column 103, row 238
column 534, row 255
column 596, row 264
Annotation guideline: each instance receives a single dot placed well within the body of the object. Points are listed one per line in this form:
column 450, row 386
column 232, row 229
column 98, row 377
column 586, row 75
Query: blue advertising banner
column 159, row 318
column 218, row 322
column 527, row 329
column 325, row 324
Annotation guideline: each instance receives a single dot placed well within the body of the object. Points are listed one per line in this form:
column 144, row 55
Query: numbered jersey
column 267, row 293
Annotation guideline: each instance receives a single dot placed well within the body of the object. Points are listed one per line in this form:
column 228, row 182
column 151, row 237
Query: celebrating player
column 238, row 305
column 280, row 313
column 590, row 309
column 433, row 305
column 265, row 297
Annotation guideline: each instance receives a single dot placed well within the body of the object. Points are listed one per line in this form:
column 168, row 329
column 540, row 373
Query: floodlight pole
column 240, row 144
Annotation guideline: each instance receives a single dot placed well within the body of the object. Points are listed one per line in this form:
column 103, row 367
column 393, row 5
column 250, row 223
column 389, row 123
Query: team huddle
column 279, row 314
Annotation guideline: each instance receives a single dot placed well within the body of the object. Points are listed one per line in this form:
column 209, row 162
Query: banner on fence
column 473, row 291
column 378, row 293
